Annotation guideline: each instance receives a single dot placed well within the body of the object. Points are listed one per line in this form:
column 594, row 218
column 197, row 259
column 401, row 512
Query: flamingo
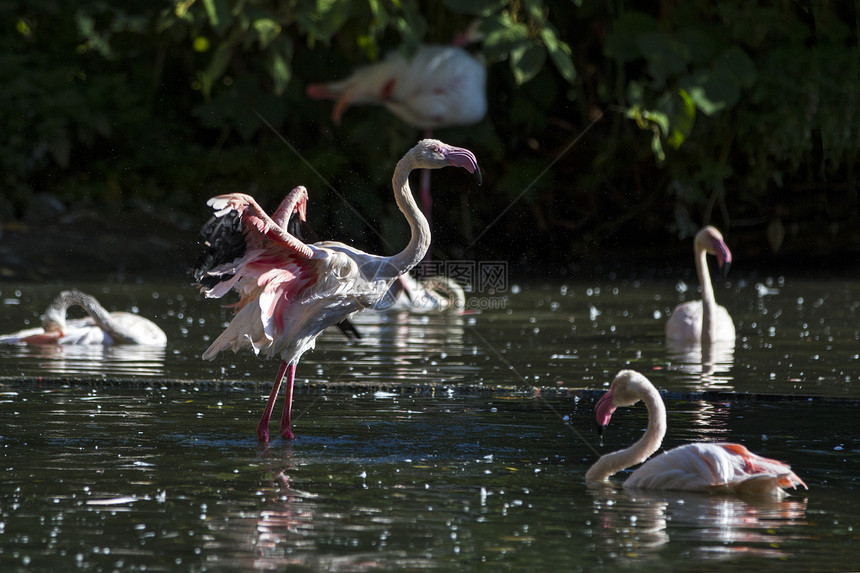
column 100, row 327
column 434, row 294
column 440, row 86
column 698, row 467
column 290, row 291
column 703, row 321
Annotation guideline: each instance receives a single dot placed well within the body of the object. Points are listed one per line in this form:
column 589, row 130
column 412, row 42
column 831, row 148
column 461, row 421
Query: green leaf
column 219, row 62
column 621, row 44
column 737, row 66
column 649, row 118
column 503, row 36
column 699, row 45
column 280, row 57
column 219, row 15
column 527, row 61
column 475, row 7
column 657, row 147
column 682, row 120
column 535, row 9
column 265, row 31
column 560, row 54
column 666, row 56
column 325, row 21
column 710, row 90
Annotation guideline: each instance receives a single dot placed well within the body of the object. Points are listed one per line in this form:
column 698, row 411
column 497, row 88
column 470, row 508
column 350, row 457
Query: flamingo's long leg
column 286, row 429
column 263, row 426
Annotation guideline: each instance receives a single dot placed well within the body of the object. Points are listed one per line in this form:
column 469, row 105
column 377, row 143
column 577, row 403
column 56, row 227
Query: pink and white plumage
column 698, row 467
column 703, row 321
column 439, row 86
column 100, row 327
column 290, row 292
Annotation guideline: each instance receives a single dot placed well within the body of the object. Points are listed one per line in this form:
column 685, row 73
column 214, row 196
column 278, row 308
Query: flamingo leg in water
column 286, row 429
column 263, row 426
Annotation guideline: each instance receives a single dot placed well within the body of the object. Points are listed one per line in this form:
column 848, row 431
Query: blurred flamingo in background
column 699, row 467
column 290, row 292
column 703, row 321
column 440, row 86
column 100, row 327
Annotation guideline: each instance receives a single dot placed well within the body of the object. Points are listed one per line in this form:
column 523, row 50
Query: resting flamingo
column 703, row 321
column 100, row 327
column 699, row 467
column 430, row 295
column 440, row 86
column 290, row 292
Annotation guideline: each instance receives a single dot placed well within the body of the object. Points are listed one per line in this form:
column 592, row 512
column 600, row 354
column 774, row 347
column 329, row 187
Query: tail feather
column 761, row 484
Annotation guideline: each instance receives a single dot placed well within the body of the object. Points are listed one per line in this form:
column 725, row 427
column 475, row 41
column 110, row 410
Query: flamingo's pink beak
column 459, row 157
column 302, row 208
column 604, row 409
column 723, row 254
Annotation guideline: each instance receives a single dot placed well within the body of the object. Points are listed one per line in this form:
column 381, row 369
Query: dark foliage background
column 744, row 114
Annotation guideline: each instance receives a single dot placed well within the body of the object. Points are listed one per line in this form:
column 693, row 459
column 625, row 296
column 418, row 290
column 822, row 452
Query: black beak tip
column 600, row 429
column 478, row 175
column 725, row 270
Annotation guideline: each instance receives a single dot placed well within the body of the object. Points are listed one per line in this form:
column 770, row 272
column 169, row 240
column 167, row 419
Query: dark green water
column 436, row 443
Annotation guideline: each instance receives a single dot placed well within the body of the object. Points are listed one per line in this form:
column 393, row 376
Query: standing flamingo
column 700, row 467
column 440, row 86
column 100, row 327
column 290, row 292
column 703, row 321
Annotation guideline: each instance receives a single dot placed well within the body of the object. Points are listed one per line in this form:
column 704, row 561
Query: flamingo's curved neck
column 644, row 447
column 709, row 303
column 418, row 245
column 55, row 315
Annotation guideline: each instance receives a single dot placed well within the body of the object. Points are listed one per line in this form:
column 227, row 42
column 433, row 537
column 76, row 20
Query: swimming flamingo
column 440, row 86
column 100, row 327
column 703, row 321
column 290, row 292
column 699, row 467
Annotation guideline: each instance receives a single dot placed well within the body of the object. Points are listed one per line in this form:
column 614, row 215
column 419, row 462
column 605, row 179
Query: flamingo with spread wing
column 290, row 291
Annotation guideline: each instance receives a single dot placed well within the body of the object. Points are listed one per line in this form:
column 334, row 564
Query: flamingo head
column 626, row 390
column 432, row 153
column 54, row 320
column 711, row 241
column 301, row 206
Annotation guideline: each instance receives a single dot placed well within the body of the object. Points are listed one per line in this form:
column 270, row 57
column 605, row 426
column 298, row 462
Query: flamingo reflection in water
column 642, row 521
column 88, row 360
column 703, row 366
